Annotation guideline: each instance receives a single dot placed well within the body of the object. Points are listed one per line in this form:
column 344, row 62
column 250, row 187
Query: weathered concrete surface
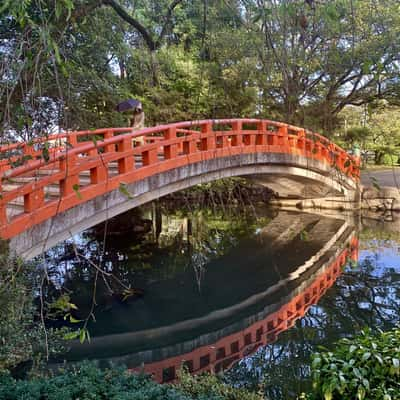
column 282, row 167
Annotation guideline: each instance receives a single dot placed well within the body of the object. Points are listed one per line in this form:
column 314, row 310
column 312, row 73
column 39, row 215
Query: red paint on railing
column 137, row 155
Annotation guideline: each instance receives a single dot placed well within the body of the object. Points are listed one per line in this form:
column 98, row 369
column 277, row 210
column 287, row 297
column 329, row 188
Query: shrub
column 365, row 367
column 87, row 382
column 208, row 386
column 23, row 342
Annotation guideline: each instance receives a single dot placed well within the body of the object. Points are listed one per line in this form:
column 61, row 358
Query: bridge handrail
column 85, row 147
column 182, row 139
column 64, row 135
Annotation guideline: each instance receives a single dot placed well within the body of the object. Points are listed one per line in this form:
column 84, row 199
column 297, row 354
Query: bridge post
column 283, row 136
column 237, row 139
column 261, row 138
column 126, row 163
column 189, row 146
column 170, row 150
column 28, row 152
column 109, row 148
column 207, row 142
column 3, row 210
column 33, row 200
column 301, row 140
column 67, row 163
column 149, row 156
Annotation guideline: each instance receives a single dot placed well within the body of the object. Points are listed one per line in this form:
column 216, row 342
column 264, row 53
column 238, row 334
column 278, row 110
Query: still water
column 249, row 291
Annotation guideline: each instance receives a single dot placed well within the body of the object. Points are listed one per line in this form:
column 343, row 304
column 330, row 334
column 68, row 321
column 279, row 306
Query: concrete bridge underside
column 286, row 174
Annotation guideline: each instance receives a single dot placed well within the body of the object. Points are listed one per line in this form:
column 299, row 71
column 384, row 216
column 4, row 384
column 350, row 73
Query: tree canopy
column 65, row 64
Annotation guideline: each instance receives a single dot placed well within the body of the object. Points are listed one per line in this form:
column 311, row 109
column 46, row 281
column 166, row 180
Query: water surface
column 250, row 291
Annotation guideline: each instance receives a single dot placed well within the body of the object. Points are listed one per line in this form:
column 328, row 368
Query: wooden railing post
column 150, row 156
column 261, row 138
column 189, row 145
column 28, row 152
column 301, row 140
column 283, row 135
column 170, row 150
column 237, row 139
column 126, row 164
column 3, row 210
column 70, row 182
column 109, row 148
column 33, row 200
column 98, row 174
column 208, row 142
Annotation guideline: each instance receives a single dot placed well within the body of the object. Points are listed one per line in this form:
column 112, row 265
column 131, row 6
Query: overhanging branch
column 151, row 44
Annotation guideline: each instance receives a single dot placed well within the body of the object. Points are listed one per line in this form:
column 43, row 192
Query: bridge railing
column 62, row 171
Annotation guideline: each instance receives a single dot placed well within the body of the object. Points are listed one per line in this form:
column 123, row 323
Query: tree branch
column 151, row 44
column 167, row 18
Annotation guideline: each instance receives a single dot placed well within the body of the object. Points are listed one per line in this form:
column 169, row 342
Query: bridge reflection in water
column 222, row 354
column 248, row 297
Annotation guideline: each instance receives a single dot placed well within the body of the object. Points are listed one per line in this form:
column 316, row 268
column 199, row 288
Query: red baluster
column 207, row 142
column 70, row 183
column 33, row 200
column 170, row 150
column 3, row 211
column 237, row 138
column 126, row 163
column 261, row 138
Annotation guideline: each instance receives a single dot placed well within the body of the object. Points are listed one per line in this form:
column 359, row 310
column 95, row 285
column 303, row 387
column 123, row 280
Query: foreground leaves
column 366, row 367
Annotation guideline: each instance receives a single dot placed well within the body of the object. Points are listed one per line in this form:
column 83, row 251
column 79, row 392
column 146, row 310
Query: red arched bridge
column 57, row 186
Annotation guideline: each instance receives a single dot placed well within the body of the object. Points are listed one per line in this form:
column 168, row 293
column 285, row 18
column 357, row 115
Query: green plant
column 207, row 386
column 23, row 341
column 86, row 382
column 365, row 367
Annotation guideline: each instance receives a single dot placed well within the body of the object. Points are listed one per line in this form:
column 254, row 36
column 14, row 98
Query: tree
column 376, row 128
column 319, row 57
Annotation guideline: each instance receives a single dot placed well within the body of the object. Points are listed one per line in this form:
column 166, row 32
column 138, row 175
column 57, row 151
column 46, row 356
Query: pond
column 251, row 291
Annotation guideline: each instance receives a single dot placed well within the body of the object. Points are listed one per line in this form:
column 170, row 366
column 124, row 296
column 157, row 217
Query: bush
column 23, row 342
column 366, row 367
column 208, row 386
column 88, row 382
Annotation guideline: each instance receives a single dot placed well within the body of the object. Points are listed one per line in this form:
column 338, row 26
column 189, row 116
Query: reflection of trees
column 365, row 295
column 182, row 241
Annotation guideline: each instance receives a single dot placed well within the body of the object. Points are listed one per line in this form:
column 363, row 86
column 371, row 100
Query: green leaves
column 304, row 236
column 75, row 188
column 123, row 189
column 45, row 152
column 365, row 367
column 84, row 381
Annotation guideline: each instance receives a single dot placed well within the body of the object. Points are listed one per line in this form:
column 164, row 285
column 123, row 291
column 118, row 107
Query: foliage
column 66, row 64
column 86, row 381
column 24, row 342
column 364, row 367
column 208, row 386
column 376, row 129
